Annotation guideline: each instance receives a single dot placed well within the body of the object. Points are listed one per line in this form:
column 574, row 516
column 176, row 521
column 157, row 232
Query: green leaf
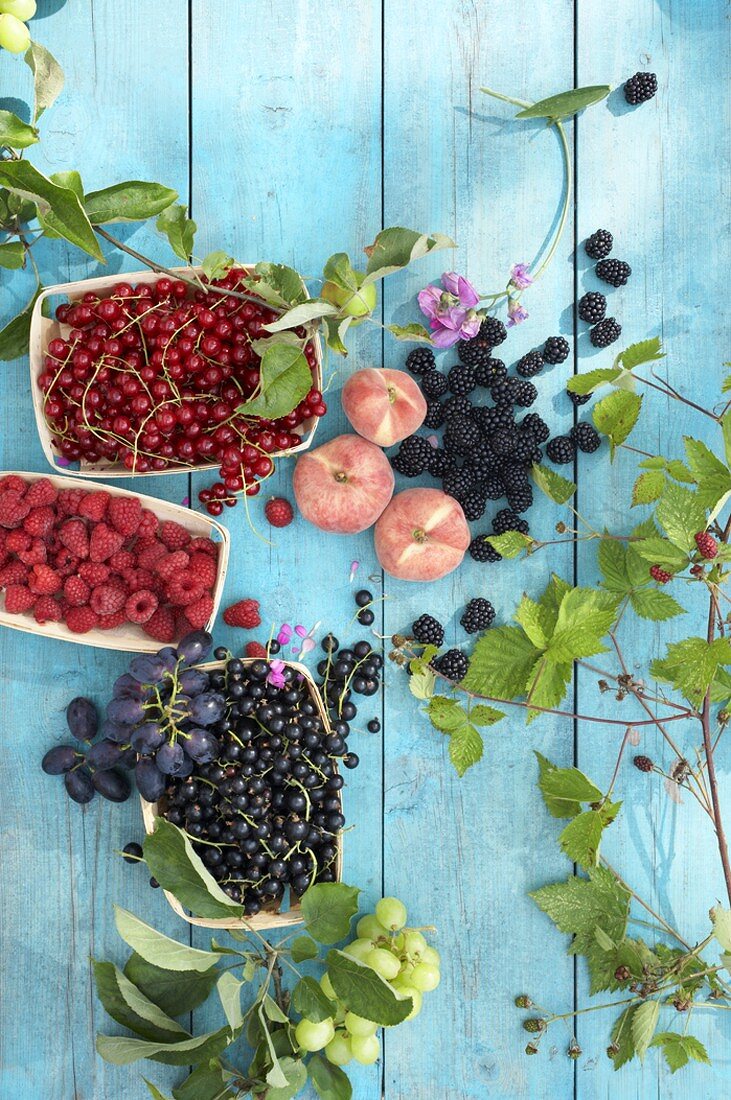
column 713, row 477
column 59, row 206
column 604, row 958
column 646, row 351
column 365, row 992
column 547, row 683
column 616, row 415
column 584, row 617
column 179, row 229
column 16, row 334
column 339, row 270
column 175, row 992
column 126, row 1004
column 465, row 748
column 176, row 866
column 121, row 1051
column 285, row 379
column 421, row 683
column 12, row 255
column 648, row 487
column 726, row 430
column 446, row 715
column 563, row 789
column 592, row 379
column 132, row 201
column 331, row 1082
column 303, row 314
column 679, row 470
column 158, row 949
column 557, row 807
column 309, row 1000
column 510, row 544
column 72, row 180
column 567, row 103
column 414, row 332
column 581, row 838
column 277, row 284
column 501, row 663
column 679, row 1049
column 721, row 921
column 336, row 329
column 622, row 1037
column 612, row 558
column 691, row 664
column 482, row 715
column 651, row 603
column 644, row 1024
column 681, row 514
column 578, row 905
column 327, row 909
column 216, row 264
column 15, row 133
column 272, row 1010
column 395, row 248
column 533, row 618
column 659, row 551
column 154, row 1090
column 304, row 948
column 206, row 1082
column 48, row 77
column 557, row 488
column 295, row 1076
column 229, row 992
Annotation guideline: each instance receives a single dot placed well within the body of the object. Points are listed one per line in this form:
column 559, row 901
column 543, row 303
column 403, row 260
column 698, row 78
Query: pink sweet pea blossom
column 451, row 311
column 460, row 288
column 519, row 276
column 516, row 313
column 276, row 674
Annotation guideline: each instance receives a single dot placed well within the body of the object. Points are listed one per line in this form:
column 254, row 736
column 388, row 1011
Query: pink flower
column 275, row 675
column 516, row 313
column 519, row 276
column 460, row 288
column 285, row 634
column 451, row 311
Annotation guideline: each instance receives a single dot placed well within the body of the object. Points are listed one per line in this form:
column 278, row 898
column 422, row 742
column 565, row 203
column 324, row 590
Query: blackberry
column 461, row 379
column 479, row 614
column 530, row 365
column 605, row 333
column 494, row 488
column 428, row 631
column 458, row 483
column 561, row 449
column 556, row 349
column 473, row 352
column 500, row 391
column 483, row 461
column 434, row 383
column 457, row 406
column 492, row 331
column 514, row 477
column 417, row 450
column 520, row 499
column 640, row 87
column 578, row 398
column 473, row 504
column 503, row 440
column 494, row 416
column 460, row 435
column 537, row 426
column 440, row 463
column 406, row 466
column 586, row 437
column 599, row 244
column 614, row 272
column 524, row 393
column 592, row 307
column 508, row 520
column 434, row 414
column 481, row 550
column 525, row 447
column 489, row 371
column 453, row 665
column 420, row 360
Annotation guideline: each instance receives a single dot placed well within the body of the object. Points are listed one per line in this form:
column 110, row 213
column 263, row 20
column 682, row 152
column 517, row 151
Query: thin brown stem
column 661, row 920
column 668, row 391
column 711, row 764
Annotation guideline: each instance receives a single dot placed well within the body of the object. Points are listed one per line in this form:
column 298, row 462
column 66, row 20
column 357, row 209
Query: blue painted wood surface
column 303, row 129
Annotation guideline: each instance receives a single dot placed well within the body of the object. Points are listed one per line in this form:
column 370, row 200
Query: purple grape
column 169, row 657
column 192, row 681
column 59, row 759
column 112, row 785
column 104, row 755
column 170, row 758
column 116, row 731
column 79, row 785
column 150, row 780
column 208, row 708
column 147, row 737
column 126, row 711
column 201, row 746
column 128, row 758
column 147, row 669
column 82, row 718
column 195, row 646
column 126, row 687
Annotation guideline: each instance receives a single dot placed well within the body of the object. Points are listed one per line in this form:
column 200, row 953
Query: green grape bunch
column 14, row 34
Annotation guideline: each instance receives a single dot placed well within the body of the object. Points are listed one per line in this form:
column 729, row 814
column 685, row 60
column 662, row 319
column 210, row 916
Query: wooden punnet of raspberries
column 95, row 561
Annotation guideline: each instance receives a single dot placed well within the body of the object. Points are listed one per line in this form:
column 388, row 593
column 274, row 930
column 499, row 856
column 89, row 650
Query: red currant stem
column 711, row 764
column 669, row 391
column 223, row 291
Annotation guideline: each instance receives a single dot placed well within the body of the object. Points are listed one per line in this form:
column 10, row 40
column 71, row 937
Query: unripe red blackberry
column 644, row 764
column 534, row 1024
column 622, row 973
column 707, row 545
column 660, row 575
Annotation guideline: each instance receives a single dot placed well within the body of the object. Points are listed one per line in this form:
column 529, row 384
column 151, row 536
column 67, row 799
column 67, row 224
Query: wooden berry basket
column 269, row 916
column 44, row 329
column 129, row 638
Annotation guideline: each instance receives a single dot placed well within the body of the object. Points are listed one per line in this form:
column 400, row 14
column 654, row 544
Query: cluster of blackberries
column 592, row 307
column 640, row 87
column 90, row 766
column 479, row 614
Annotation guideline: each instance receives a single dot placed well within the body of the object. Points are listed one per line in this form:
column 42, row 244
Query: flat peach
column 384, row 406
column 422, row 535
column 344, row 485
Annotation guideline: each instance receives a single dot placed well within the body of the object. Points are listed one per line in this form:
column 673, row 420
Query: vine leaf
column 592, row 379
column 578, row 905
column 510, row 544
column 646, row 351
column 681, row 513
column 648, row 487
column 651, row 603
column 557, row 488
column 328, row 908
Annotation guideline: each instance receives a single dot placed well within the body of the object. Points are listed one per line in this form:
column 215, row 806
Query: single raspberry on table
column 75, row 537
column 18, row 598
column 707, row 545
column 107, row 598
column 643, row 763
column 80, row 620
column 141, row 606
column 199, row 611
column 255, row 649
column 44, row 580
column 40, row 521
column 245, row 614
column 173, row 535
column 104, row 542
column 13, row 508
column 279, row 512
column 94, row 506
column 76, row 591
column 125, row 514
column 660, row 575
column 161, row 625
column 47, row 610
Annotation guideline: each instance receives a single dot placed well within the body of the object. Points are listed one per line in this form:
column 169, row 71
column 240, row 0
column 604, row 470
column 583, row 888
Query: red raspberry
column 12, row 481
column 18, row 598
column 643, row 763
column 279, row 512
column 707, row 545
column 199, row 612
column 173, row 535
column 161, row 625
column 139, row 579
column 205, row 546
column 660, row 575
column 148, row 555
column 172, row 564
column 105, row 599
column 105, row 541
column 47, row 610
column 75, row 537
column 125, row 514
column 17, row 540
column 245, row 613
column 80, row 620
column 76, row 591
column 121, row 560
column 111, row 622
column 203, row 568
column 65, row 562
column 41, row 494
column 39, row 522
column 13, row 573
column 141, row 605
column 35, row 554
column 94, row 505
column 147, row 529
column 255, row 649
column 13, row 508
column 183, row 589
column 69, row 501
column 44, row 581
column 94, row 572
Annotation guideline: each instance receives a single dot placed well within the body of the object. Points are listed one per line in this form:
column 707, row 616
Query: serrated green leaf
column 712, row 475
column 557, row 488
column 122, row 1051
column 612, row 558
column 285, row 379
column 421, row 683
column 603, row 963
column 12, row 255
column 179, row 229
column 15, row 133
column 216, row 264
column 309, row 1000
column 681, row 513
column 582, row 837
column 172, row 860
column 395, row 248
column 365, row 992
column 616, row 415
column 15, row 335
column 465, row 748
column 721, row 921
column 658, row 551
column 331, row 1082
column 158, row 949
column 691, row 664
column 277, row 284
column 679, row 1049
column 651, row 603
column 584, row 617
column 304, row 948
column 327, row 909
column 48, row 78
column 592, row 379
column 59, row 206
column 535, row 621
column 567, row 103
column 510, row 544
column 414, row 333
column 482, row 715
column 564, row 789
column 132, row 201
column 644, row 1024
column 446, row 715
column 646, row 351
column 622, row 1037
column 648, row 487
column 126, row 1004
column 501, row 663
column 726, row 430
column 578, row 905
column 546, row 684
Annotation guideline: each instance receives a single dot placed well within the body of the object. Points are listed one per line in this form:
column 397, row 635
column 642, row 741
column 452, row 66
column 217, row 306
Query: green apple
column 21, row 9
column 358, row 1025
column 352, row 303
column 14, row 35
column 338, row 1050
column 313, row 1036
column 365, row 1049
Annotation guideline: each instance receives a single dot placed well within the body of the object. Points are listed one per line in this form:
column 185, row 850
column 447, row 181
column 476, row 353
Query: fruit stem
column 711, row 765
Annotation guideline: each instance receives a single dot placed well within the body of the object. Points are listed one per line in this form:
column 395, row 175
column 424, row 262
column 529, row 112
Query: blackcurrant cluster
column 90, row 766
column 592, row 307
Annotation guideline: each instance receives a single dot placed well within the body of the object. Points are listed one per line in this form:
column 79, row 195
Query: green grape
column 383, row 962
column 406, row 990
column 21, row 9
column 338, row 1050
column 391, row 913
column 366, row 1049
column 370, row 928
column 327, row 988
column 407, row 969
column 425, row 977
column 358, row 949
column 431, row 955
column 14, row 35
column 313, row 1036
column 414, row 943
column 358, row 1026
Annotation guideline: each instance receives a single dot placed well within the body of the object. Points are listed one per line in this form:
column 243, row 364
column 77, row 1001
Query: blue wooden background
column 295, row 129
